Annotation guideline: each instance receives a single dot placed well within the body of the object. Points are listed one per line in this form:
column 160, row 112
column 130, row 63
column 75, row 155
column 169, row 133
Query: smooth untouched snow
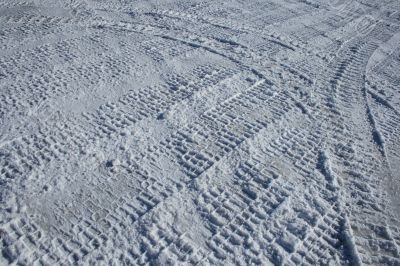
column 199, row 132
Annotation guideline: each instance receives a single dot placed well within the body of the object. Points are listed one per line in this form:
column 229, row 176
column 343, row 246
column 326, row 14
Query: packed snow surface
column 182, row 132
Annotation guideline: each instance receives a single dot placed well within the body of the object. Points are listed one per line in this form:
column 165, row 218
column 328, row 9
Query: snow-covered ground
column 177, row 132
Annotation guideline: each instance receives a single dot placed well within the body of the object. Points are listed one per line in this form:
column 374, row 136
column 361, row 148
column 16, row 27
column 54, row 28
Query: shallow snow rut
column 199, row 133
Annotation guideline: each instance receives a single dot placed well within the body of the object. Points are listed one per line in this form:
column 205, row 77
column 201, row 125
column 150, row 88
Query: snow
column 199, row 132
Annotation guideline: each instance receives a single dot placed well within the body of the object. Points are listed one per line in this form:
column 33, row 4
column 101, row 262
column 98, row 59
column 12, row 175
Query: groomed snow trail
column 200, row 132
